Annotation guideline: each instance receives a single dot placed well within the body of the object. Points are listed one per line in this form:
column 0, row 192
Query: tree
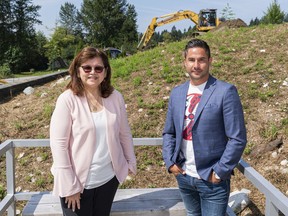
column 176, row 34
column 71, row 29
column 128, row 31
column 167, row 38
column 286, row 18
column 61, row 45
column 254, row 22
column 41, row 59
column 227, row 13
column 19, row 43
column 155, row 39
column 107, row 22
column 70, row 18
column 25, row 18
column 5, row 28
column 274, row 15
column 22, row 52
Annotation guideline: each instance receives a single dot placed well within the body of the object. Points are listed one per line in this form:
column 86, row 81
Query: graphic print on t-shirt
column 191, row 104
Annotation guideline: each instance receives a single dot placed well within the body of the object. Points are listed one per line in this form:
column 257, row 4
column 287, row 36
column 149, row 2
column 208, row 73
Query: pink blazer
column 72, row 141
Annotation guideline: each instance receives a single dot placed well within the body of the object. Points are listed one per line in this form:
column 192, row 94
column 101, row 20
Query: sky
column 147, row 9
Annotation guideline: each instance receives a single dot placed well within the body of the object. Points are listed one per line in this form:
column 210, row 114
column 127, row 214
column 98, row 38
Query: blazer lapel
column 182, row 103
column 208, row 90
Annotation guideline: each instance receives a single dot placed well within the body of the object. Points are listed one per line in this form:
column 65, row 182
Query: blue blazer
column 218, row 133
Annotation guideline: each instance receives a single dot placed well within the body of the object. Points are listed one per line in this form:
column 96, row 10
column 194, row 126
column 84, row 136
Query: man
column 204, row 135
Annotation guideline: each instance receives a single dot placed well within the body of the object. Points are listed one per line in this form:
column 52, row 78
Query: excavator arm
column 165, row 19
column 170, row 18
column 148, row 33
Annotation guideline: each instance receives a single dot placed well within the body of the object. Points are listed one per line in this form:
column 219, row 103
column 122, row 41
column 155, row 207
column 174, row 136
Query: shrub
column 5, row 71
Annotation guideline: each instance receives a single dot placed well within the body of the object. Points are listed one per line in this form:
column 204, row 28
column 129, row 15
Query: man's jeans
column 202, row 198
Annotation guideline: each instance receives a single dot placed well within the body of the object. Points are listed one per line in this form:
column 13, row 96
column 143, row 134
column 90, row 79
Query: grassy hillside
column 254, row 59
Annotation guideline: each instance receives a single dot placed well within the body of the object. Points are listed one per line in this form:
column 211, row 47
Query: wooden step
column 127, row 202
column 147, row 201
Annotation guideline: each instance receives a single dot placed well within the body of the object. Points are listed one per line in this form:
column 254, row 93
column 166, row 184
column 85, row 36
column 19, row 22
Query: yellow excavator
column 204, row 21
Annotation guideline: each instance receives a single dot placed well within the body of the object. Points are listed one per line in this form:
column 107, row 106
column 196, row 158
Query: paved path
column 19, row 80
column 15, row 85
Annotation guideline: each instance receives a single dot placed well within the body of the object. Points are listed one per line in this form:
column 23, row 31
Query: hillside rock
column 29, row 90
column 271, row 146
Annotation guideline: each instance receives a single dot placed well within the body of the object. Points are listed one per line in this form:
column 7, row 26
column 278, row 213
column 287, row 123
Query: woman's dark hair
column 84, row 55
column 197, row 43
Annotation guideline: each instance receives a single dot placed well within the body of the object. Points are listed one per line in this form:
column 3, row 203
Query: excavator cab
column 207, row 17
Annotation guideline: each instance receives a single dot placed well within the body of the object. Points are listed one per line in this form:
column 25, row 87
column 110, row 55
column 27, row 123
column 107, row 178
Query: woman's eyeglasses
column 88, row 69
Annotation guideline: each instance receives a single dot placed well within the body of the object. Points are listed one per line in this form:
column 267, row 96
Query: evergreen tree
column 176, row 34
column 159, row 37
column 274, row 15
column 286, row 18
column 40, row 61
column 227, row 13
column 254, row 22
column 25, row 17
column 156, row 38
column 167, row 38
column 104, row 22
column 128, row 31
column 70, row 19
column 70, row 27
column 19, row 44
column 22, row 53
column 5, row 28
column 251, row 22
column 189, row 32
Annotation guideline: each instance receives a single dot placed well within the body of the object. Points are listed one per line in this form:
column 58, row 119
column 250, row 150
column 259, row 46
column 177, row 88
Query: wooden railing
column 275, row 200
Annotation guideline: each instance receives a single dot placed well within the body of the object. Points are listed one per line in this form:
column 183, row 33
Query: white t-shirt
column 193, row 98
column 101, row 169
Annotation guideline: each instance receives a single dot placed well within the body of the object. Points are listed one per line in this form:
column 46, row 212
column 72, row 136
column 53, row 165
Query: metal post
column 10, row 177
column 270, row 209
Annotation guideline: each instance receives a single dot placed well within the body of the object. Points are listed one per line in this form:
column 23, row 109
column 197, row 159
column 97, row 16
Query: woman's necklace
column 94, row 102
column 94, row 105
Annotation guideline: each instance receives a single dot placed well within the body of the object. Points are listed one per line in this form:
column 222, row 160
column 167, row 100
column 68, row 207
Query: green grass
column 248, row 148
column 40, row 182
column 269, row 132
column 2, row 192
column 137, row 81
column 48, row 110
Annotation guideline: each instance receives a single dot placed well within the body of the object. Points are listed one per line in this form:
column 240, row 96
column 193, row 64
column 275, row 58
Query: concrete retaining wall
column 9, row 90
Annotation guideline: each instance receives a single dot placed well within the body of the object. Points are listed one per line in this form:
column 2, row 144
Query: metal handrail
column 275, row 200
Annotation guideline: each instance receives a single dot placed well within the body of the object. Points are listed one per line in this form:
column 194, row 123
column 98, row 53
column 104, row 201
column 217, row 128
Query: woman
column 90, row 138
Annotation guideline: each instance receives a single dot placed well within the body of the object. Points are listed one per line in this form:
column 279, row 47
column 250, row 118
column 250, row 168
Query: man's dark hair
column 197, row 43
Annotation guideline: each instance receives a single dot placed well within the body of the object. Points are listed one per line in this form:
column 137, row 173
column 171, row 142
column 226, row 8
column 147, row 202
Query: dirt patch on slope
column 235, row 23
